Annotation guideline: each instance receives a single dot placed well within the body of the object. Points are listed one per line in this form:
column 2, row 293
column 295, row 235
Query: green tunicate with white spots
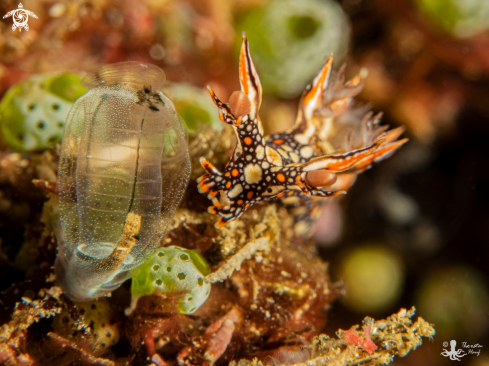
column 33, row 112
column 173, row 270
column 290, row 41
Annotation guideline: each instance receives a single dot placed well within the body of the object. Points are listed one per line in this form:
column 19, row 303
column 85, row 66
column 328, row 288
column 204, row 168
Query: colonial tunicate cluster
column 123, row 169
column 173, row 270
column 33, row 112
column 98, row 316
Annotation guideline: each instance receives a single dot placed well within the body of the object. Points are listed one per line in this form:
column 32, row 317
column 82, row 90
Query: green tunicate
column 456, row 299
column 373, row 277
column 290, row 41
column 194, row 105
column 33, row 112
column 461, row 18
column 173, row 270
column 100, row 316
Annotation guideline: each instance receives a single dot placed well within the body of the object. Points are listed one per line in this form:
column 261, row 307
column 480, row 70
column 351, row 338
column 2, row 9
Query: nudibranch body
column 123, row 169
column 302, row 161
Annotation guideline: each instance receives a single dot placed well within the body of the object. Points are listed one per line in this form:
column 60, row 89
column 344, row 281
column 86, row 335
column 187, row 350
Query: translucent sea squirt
column 123, row 169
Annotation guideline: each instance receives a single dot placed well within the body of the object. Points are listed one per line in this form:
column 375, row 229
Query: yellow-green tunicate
column 292, row 39
column 373, row 277
column 194, row 105
column 33, row 112
column 98, row 316
column 173, row 270
column 462, row 18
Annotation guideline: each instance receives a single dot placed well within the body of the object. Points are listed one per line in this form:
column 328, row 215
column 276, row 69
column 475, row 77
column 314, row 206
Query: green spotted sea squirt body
column 173, row 270
column 33, row 112
column 123, row 169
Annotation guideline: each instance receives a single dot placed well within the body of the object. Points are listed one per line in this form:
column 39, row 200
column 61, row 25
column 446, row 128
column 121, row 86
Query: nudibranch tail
column 341, row 162
column 278, row 166
column 380, row 154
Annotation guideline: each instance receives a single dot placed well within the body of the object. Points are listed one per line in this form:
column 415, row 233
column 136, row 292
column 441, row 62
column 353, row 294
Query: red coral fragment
column 351, row 337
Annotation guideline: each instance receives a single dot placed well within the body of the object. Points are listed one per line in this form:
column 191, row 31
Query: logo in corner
column 453, row 354
column 20, row 17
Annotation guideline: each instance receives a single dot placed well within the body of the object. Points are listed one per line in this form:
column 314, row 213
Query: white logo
column 20, row 17
column 472, row 349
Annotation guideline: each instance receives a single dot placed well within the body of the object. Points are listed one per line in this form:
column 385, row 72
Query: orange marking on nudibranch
column 319, row 84
column 212, row 210
column 249, row 195
column 216, row 203
column 392, row 135
column 379, row 154
column 240, row 202
column 208, row 167
column 212, row 194
column 278, row 141
column 300, row 182
column 243, row 72
column 281, row 177
column 204, row 188
column 354, row 82
column 235, row 172
column 221, row 116
column 228, row 184
column 341, row 162
column 220, row 223
column 280, row 195
column 248, row 78
column 248, row 140
column 228, row 174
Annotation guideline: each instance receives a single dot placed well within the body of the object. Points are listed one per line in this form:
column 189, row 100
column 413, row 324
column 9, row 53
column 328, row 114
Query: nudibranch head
column 123, row 169
column 173, row 270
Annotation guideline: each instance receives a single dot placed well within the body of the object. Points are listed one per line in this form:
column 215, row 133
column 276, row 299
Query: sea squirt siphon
column 123, row 169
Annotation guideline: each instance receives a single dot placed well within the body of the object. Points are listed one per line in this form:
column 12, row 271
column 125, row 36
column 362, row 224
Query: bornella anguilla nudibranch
column 123, row 169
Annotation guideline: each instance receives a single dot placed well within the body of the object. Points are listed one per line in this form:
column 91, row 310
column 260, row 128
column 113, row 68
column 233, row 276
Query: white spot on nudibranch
column 237, row 189
column 295, row 158
column 252, row 173
column 306, row 152
column 260, row 152
column 273, row 156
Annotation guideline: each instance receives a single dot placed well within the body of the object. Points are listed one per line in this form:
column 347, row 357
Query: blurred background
column 412, row 231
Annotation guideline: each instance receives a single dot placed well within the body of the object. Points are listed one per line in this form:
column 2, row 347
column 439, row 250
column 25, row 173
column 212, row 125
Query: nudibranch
column 123, row 169
column 302, row 161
